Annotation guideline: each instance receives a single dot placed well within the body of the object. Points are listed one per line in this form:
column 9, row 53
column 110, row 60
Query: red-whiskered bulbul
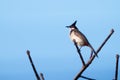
column 79, row 38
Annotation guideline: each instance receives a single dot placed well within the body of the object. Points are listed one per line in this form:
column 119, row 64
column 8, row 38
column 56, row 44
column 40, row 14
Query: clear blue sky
column 39, row 26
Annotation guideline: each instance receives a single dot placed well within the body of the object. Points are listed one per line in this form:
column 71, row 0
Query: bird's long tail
column 92, row 50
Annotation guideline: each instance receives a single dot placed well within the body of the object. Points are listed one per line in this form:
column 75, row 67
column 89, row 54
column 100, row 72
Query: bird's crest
column 73, row 25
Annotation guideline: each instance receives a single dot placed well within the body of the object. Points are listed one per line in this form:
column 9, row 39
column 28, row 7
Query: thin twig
column 78, row 50
column 87, row 78
column 116, row 71
column 111, row 32
column 92, row 58
column 34, row 69
column 41, row 76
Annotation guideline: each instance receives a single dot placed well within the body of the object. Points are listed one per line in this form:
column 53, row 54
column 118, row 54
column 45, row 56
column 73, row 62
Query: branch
column 34, row 69
column 42, row 77
column 78, row 50
column 116, row 71
column 92, row 58
column 111, row 32
column 87, row 78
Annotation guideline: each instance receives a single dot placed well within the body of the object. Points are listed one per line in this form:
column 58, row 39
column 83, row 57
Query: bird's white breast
column 77, row 39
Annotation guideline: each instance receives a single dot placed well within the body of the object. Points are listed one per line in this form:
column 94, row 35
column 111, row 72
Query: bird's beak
column 67, row 26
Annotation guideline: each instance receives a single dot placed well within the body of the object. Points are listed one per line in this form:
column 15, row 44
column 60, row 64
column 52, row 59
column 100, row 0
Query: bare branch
column 92, row 58
column 34, row 69
column 116, row 71
column 111, row 32
column 87, row 78
column 78, row 50
column 41, row 76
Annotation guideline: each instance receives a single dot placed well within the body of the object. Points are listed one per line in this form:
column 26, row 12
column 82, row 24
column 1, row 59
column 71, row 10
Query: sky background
column 39, row 26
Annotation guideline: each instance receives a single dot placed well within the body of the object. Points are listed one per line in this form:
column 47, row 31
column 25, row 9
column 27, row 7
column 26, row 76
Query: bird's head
column 72, row 26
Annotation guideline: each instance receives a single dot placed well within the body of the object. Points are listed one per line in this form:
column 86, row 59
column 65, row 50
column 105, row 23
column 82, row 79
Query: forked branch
column 93, row 57
column 34, row 69
column 41, row 77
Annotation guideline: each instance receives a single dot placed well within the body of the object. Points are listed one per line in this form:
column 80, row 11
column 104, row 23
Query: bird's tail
column 92, row 50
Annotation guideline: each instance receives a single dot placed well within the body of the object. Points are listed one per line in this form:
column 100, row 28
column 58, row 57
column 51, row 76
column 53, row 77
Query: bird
column 79, row 38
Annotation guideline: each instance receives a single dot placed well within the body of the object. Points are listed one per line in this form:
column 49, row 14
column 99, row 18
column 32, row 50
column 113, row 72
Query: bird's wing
column 77, row 33
column 82, row 36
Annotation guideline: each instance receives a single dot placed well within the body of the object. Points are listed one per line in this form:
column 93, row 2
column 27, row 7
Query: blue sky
column 39, row 26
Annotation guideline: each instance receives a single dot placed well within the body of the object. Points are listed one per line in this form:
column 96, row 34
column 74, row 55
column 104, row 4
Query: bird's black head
column 73, row 25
